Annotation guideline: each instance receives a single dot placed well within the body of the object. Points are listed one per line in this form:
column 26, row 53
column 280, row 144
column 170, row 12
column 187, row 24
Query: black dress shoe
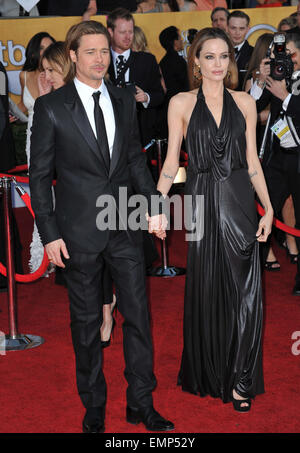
column 93, row 421
column 152, row 420
column 296, row 290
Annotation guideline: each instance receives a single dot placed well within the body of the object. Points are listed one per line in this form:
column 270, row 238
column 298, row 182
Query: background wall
column 15, row 33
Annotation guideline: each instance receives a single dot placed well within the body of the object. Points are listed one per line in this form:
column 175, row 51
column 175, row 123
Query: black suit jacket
column 7, row 147
column 174, row 71
column 242, row 61
column 63, row 141
column 144, row 72
column 293, row 111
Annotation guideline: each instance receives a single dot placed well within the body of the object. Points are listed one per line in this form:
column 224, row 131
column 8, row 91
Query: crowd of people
column 102, row 90
column 88, row 8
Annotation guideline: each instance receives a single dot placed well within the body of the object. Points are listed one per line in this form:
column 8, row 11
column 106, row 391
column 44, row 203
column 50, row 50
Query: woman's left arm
column 254, row 168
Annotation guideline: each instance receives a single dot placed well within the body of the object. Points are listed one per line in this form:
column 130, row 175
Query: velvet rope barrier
column 26, row 278
column 278, row 224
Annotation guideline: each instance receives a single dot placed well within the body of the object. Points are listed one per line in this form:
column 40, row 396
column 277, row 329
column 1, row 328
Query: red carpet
column 38, row 391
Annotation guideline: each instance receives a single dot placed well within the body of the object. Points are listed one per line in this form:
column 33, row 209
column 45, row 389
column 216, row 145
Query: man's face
column 178, row 44
column 92, row 59
column 295, row 54
column 219, row 20
column 122, row 35
column 237, row 30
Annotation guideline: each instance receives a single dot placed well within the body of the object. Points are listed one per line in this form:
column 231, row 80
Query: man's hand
column 140, row 96
column 277, row 88
column 54, row 250
column 158, row 225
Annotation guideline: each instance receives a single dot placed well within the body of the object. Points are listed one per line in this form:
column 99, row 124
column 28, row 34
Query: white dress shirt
column 85, row 93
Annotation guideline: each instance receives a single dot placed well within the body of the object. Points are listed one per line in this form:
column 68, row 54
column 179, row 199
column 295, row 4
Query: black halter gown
column 223, row 297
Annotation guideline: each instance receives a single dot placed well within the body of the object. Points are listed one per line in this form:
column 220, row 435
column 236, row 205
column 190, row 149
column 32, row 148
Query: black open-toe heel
column 237, row 404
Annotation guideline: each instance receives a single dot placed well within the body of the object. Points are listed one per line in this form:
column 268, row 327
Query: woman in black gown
column 223, row 301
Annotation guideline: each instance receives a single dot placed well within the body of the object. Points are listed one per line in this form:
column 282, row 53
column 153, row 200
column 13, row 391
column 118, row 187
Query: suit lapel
column 74, row 105
column 119, row 130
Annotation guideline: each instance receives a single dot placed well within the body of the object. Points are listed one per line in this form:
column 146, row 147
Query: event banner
column 15, row 33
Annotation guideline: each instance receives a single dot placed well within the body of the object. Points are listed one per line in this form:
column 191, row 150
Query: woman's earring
column 197, row 72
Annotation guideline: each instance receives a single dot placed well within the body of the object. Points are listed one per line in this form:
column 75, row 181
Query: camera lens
column 279, row 69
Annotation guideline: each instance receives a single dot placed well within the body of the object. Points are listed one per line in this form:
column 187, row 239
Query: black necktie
column 120, row 64
column 101, row 130
column 236, row 52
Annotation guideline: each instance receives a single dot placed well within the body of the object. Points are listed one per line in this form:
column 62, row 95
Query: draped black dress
column 223, row 297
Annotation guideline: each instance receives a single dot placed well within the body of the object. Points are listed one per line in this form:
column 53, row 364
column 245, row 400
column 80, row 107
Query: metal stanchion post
column 165, row 270
column 13, row 341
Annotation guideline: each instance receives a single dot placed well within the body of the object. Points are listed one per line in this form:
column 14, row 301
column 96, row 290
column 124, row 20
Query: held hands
column 54, row 250
column 158, row 225
column 265, row 226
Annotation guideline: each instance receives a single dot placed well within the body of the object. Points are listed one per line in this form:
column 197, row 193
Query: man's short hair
column 239, row 14
column 220, row 8
column 168, row 36
column 295, row 37
column 118, row 13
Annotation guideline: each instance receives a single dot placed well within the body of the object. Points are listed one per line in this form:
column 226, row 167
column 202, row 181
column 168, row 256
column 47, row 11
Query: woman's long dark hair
column 259, row 52
column 231, row 79
column 32, row 53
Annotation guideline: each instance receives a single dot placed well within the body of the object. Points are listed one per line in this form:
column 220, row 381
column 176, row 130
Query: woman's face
column 54, row 74
column 45, row 42
column 214, row 59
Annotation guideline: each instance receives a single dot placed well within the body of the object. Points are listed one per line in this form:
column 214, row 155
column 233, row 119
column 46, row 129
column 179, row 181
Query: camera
column 281, row 65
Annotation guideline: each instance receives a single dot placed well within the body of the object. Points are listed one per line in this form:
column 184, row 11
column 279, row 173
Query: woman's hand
column 265, row 226
column 44, row 86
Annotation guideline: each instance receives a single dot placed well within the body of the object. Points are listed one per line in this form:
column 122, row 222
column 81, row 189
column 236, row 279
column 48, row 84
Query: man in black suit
column 174, row 70
column 281, row 160
column 238, row 27
column 139, row 69
column 87, row 132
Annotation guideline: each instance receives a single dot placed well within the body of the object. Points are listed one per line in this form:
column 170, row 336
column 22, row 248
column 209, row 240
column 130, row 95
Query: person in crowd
column 287, row 23
column 297, row 28
column 191, row 34
column 281, row 158
column 222, row 353
column 181, row 5
column 84, row 8
column 87, row 131
column 139, row 42
column 254, row 76
column 238, row 27
column 268, row 3
column 13, row 8
column 7, row 162
column 219, row 18
column 136, row 68
column 209, row 5
column 173, row 65
column 32, row 86
column 174, row 70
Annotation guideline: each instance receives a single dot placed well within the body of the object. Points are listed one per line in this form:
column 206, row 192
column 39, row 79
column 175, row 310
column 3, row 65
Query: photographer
column 279, row 83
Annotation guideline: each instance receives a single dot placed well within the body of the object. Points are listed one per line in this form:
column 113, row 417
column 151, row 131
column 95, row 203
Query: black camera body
column 281, row 65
